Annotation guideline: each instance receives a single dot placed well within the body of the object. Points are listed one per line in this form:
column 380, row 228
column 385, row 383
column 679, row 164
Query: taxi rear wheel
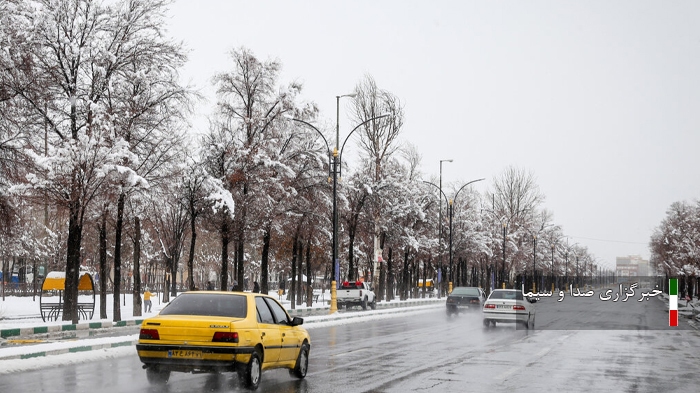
column 156, row 376
column 250, row 373
column 302, row 362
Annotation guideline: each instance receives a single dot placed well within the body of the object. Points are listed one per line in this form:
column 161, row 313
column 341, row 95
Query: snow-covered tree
column 378, row 137
column 250, row 111
column 675, row 243
column 74, row 54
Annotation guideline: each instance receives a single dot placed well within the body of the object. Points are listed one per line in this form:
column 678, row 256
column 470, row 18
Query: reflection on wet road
column 428, row 351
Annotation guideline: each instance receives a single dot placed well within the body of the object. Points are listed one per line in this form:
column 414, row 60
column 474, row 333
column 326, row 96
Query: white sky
column 598, row 99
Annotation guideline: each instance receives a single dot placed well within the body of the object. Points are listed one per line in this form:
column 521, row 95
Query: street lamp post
column 534, row 259
column 335, row 164
column 566, row 269
column 335, row 268
column 552, row 268
column 577, row 277
column 440, row 269
column 503, row 267
column 440, row 196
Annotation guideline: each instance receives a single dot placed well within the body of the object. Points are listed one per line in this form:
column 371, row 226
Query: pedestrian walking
column 147, row 300
column 256, row 287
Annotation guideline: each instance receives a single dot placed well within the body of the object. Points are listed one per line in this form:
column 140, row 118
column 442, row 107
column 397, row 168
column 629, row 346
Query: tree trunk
column 117, row 314
column 351, row 255
column 75, row 233
column 405, row 279
column 136, row 292
column 239, row 261
column 190, row 257
column 166, row 282
column 415, row 276
column 103, row 266
column 240, row 272
column 309, row 288
column 224, row 257
column 293, row 287
column 382, row 282
column 264, row 261
column 426, row 268
column 389, row 277
column 300, row 260
column 173, row 269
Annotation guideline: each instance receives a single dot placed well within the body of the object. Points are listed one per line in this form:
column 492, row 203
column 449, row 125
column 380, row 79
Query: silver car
column 508, row 306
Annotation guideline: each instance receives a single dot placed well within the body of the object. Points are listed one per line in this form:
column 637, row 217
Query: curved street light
column 439, row 221
column 334, row 168
column 340, row 158
column 450, row 203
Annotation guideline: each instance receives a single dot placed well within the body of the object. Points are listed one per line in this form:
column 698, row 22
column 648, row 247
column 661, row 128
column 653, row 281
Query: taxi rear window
column 220, row 305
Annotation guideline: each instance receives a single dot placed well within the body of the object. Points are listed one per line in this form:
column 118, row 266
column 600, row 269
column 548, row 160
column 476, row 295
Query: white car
column 508, row 306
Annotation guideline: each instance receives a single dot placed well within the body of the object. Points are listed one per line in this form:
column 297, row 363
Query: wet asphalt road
column 429, row 352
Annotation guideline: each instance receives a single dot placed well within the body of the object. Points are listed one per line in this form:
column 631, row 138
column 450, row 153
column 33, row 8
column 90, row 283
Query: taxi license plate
column 184, row 354
column 503, row 306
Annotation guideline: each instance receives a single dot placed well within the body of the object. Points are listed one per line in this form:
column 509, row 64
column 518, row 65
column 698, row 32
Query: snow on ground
column 23, row 312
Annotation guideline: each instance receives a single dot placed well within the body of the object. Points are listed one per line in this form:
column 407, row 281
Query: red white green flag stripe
column 672, row 302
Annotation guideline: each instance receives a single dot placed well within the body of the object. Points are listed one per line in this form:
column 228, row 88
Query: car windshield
column 220, row 305
column 465, row 291
column 512, row 295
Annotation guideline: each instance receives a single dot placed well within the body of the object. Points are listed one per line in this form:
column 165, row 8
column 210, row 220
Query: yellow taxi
column 212, row 331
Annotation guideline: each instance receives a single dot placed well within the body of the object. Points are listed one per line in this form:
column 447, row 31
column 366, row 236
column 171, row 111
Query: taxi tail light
column 489, row 306
column 225, row 337
column 522, row 308
column 149, row 334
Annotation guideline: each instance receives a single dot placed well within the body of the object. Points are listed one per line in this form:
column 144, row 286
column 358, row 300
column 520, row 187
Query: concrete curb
column 75, row 349
column 30, row 331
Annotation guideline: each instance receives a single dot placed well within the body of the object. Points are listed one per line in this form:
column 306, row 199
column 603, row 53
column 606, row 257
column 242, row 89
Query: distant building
column 631, row 266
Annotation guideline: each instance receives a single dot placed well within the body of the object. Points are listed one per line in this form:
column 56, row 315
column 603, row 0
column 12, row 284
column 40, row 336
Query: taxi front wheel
column 302, row 362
